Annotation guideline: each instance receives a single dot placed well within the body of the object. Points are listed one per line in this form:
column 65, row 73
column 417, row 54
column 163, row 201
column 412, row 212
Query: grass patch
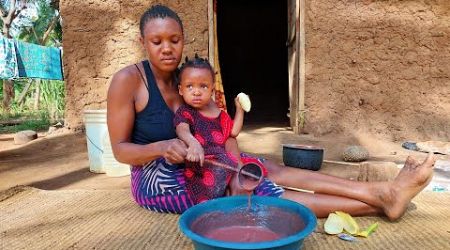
column 37, row 121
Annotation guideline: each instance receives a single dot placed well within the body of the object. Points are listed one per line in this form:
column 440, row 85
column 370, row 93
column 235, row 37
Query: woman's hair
column 158, row 11
column 198, row 63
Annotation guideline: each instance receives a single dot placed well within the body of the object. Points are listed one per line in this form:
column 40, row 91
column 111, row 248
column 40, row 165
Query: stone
column 355, row 154
column 24, row 136
column 51, row 129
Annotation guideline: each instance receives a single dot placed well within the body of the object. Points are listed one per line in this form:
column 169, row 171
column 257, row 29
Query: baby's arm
column 238, row 121
column 195, row 151
column 234, row 188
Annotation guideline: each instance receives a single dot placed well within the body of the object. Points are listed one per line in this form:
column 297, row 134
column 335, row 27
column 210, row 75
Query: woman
column 142, row 99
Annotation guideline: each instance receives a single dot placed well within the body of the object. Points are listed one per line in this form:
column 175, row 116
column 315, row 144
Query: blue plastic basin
column 229, row 204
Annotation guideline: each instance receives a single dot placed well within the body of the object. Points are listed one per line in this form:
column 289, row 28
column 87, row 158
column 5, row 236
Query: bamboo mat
column 108, row 219
column 427, row 226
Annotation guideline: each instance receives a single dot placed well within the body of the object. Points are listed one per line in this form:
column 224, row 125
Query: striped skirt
column 161, row 187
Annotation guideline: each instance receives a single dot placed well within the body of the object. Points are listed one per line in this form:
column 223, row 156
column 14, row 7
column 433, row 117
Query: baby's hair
column 198, row 63
column 158, row 11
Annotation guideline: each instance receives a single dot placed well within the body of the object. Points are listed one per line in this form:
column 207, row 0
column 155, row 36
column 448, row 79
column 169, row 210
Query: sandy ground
column 60, row 160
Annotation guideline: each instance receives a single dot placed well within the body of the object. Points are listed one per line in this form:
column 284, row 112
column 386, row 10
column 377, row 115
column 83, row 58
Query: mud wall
column 101, row 36
column 373, row 66
column 378, row 66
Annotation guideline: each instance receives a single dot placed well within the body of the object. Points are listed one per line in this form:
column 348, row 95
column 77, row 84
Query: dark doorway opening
column 253, row 56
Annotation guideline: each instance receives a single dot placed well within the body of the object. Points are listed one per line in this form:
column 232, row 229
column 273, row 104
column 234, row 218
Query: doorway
column 253, row 57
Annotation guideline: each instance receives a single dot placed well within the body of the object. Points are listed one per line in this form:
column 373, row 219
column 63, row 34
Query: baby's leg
column 234, row 188
column 206, row 182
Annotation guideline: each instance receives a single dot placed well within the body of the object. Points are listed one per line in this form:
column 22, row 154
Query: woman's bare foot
column 413, row 177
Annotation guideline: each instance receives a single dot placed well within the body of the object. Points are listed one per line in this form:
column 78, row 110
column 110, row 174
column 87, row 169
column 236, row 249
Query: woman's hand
column 195, row 152
column 175, row 151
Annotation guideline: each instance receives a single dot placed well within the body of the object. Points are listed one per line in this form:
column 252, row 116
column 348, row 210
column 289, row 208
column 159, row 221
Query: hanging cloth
column 218, row 88
column 8, row 59
column 35, row 61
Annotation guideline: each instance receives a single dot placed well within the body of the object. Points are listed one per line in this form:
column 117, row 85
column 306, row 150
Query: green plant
column 53, row 98
column 38, row 121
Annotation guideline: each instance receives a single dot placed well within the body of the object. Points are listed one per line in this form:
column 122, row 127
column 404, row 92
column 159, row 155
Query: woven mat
column 95, row 219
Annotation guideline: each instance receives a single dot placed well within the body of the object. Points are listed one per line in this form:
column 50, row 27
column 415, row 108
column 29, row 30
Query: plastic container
column 95, row 123
column 112, row 167
column 101, row 158
column 232, row 203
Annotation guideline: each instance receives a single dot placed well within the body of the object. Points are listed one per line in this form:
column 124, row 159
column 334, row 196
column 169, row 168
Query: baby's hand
column 195, row 153
column 238, row 105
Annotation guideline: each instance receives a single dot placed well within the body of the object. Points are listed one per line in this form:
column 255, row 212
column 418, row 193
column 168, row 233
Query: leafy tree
column 9, row 11
column 36, row 22
column 45, row 29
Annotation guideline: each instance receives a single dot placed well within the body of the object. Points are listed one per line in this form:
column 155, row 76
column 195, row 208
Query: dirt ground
column 51, row 162
column 60, row 160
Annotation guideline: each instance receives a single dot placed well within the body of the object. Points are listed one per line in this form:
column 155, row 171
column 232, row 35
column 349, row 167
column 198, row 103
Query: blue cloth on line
column 8, row 59
column 35, row 61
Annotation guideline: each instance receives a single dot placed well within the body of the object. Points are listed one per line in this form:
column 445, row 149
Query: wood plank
column 293, row 61
column 211, row 32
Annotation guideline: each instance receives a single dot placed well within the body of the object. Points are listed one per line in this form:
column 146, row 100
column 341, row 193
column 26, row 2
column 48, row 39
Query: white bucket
column 101, row 158
column 112, row 167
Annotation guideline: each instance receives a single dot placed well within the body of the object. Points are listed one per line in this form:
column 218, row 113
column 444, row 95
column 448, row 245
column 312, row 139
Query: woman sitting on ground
column 142, row 99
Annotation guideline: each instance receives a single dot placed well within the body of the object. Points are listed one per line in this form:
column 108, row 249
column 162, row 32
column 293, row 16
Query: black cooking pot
column 303, row 156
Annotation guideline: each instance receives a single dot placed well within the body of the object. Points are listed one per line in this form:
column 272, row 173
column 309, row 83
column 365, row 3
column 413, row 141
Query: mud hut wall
column 101, row 36
column 376, row 66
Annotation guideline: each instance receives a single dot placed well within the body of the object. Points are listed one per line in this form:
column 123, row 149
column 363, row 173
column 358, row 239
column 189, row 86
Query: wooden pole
column 301, row 68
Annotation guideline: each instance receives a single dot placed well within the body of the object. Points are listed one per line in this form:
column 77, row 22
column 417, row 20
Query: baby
column 205, row 128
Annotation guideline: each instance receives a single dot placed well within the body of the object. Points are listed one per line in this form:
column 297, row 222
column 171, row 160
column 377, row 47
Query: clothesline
column 26, row 60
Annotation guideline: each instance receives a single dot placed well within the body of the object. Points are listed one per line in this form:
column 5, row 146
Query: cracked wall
column 378, row 66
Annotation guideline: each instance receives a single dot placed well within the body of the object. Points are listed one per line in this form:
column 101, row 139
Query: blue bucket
column 232, row 203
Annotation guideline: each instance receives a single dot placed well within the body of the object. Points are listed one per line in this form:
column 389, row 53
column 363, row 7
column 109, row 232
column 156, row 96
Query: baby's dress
column 208, row 181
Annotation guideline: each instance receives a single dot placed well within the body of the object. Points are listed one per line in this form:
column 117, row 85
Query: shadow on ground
column 53, row 162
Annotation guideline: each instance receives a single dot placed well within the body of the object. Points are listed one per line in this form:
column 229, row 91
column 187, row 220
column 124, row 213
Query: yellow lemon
column 350, row 224
column 333, row 224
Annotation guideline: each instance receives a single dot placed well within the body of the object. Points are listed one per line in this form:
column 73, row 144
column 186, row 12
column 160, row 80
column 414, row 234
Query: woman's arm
column 120, row 120
column 238, row 121
column 195, row 151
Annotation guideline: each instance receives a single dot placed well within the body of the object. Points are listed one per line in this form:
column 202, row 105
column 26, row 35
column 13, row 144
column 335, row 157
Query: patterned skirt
column 161, row 187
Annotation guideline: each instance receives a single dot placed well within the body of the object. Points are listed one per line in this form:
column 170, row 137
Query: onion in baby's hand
column 244, row 100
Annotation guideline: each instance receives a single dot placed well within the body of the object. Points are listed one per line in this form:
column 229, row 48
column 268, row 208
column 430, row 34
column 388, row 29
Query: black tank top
column 155, row 122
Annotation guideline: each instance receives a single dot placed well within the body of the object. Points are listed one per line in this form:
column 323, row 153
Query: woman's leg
column 323, row 204
column 390, row 197
column 160, row 187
